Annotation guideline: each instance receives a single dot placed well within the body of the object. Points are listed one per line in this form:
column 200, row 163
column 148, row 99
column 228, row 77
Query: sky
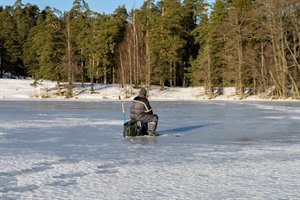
column 100, row 6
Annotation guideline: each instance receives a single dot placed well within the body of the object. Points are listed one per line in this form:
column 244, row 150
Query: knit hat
column 143, row 91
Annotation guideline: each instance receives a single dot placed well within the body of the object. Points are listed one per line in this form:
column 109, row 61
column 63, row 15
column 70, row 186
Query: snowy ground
column 23, row 89
column 61, row 149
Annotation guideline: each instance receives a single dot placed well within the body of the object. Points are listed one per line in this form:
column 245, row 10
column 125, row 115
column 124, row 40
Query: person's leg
column 143, row 121
column 144, row 130
column 153, row 120
column 153, row 124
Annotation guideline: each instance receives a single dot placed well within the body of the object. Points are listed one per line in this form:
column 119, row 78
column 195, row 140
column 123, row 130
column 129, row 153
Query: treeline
column 241, row 43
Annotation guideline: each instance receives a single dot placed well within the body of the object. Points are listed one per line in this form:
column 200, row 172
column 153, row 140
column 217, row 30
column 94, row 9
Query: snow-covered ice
column 208, row 150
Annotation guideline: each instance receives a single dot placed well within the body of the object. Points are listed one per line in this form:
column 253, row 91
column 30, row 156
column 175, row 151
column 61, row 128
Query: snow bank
column 26, row 89
column 20, row 89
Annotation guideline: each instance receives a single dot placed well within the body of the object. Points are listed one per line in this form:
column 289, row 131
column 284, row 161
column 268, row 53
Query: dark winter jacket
column 140, row 107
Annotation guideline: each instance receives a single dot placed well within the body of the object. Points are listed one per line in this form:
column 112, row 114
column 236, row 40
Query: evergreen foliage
column 239, row 43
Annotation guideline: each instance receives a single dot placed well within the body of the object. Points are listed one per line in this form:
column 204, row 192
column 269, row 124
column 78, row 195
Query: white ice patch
column 23, row 161
column 58, row 122
column 205, row 172
column 2, row 134
column 278, row 108
column 274, row 117
column 295, row 117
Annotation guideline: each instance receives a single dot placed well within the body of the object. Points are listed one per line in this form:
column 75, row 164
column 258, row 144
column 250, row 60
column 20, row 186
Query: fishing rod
column 123, row 111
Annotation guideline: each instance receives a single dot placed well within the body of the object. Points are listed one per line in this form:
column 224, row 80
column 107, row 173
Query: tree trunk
column 104, row 74
column 82, row 68
column 58, row 87
column 148, row 61
column 263, row 68
column 209, row 72
column 69, row 57
column 240, row 62
column 92, row 73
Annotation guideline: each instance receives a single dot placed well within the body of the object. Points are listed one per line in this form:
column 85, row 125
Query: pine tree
column 201, row 71
column 114, row 34
column 236, row 38
column 46, row 45
column 25, row 19
column 139, row 45
column 9, row 42
column 167, row 42
column 32, row 47
column 191, row 11
column 80, row 16
column 75, row 25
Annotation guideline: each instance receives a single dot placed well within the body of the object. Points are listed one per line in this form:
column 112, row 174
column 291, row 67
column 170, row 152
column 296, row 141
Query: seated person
column 141, row 110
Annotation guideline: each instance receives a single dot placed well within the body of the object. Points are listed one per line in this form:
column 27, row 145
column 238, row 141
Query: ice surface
column 208, row 150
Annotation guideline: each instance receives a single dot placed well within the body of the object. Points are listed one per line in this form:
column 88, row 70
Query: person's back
column 141, row 110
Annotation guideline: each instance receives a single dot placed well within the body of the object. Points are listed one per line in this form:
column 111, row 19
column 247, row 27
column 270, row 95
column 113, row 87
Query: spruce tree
column 167, row 42
column 25, row 19
column 80, row 14
column 9, row 42
column 208, row 65
column 46, row 47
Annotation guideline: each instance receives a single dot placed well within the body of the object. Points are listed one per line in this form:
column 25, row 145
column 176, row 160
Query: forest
column 252, row 45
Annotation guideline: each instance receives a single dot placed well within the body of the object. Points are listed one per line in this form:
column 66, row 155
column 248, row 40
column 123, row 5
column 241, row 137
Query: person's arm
column 148, row 107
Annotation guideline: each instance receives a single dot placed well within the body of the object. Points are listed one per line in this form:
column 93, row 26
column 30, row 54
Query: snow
column 212, row 149
column 24, row 89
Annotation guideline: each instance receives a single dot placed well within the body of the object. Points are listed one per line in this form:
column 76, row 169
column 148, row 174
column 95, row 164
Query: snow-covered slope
column 25, row 89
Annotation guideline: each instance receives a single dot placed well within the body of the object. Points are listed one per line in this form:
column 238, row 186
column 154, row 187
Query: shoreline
column 152, row 100
column 22, row 90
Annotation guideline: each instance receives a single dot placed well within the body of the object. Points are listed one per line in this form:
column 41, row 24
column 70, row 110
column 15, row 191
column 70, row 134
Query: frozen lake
column 208, row 150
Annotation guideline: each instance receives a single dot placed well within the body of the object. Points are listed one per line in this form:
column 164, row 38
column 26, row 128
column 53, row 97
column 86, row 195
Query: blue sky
column 100, row 6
